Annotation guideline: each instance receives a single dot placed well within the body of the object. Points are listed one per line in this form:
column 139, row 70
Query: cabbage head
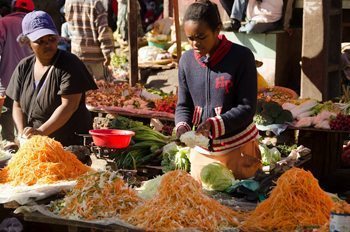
column 216, row 176
column 149, row 188
column 269, row 156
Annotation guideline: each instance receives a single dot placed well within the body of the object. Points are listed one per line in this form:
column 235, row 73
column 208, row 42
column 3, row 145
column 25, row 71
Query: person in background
column 122, row 22
column 92, row 40
column 217, row 95
column 52, row 7
column 11, row 53
column 5, row 7
column 65, row 41
column 236, row 10
column 112, row 14
column 48, row 88
column 263, row 16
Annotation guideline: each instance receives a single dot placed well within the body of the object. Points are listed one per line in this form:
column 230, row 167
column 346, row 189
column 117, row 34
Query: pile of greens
column 175, row 157
column 146, row 144
column 268, row 113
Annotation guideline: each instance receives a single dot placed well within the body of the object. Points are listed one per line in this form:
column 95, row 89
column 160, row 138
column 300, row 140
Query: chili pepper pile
column 166, row 104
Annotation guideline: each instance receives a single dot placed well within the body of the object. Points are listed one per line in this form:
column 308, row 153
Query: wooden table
column 326, row 147
column 132, row 113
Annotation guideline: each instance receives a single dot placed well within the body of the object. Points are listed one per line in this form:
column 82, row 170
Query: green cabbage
column 175, row 157
column 269, row 156
column 216, row 176
column 149, row 188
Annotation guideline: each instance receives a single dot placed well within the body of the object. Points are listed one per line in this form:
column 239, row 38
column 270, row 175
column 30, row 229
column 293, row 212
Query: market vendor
column 217, row 95
column 48, row 87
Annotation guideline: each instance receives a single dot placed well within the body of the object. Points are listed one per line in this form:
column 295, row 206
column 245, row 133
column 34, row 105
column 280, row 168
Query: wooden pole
column 168, row 8
column 132, row 42
column 177, row 29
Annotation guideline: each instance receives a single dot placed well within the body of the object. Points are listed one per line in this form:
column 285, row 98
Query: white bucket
column 339, row 222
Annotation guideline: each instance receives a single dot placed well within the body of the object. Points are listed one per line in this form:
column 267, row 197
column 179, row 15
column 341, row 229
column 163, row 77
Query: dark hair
column 205, row 11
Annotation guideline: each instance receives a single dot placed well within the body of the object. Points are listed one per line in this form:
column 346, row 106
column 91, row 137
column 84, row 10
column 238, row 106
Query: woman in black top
column 48, row 88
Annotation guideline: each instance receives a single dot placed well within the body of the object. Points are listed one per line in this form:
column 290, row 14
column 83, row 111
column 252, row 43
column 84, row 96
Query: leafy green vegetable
column 216, row 176
column 283, row 117
column 269, row 156
column 286, row 149
column 272, row 109
column 124, row 123
column 149, row 188
column 319, row 107
column 175, row 157
column 118, row 61
column 147, row 144
column 268, row 113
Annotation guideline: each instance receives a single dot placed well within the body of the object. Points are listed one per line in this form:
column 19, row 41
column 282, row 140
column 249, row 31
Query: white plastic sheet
column 27, row 194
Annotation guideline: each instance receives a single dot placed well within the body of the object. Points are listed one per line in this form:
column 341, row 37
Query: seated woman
column 262, row 16
column 48, row 88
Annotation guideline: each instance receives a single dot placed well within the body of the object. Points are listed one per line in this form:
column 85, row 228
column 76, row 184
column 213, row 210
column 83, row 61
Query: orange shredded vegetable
column 41, row 160
column 97, row 196
column 180, row 203
column 297, row 201
column 341, row 207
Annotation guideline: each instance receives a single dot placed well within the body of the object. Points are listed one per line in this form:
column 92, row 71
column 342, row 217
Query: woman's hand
column 204, row 129
column 30, row 131
column 181, row 130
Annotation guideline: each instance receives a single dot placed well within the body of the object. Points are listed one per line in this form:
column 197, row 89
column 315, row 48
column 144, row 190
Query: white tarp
column 27, row 194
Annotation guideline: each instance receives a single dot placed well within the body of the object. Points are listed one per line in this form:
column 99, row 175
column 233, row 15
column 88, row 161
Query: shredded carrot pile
column 341, row 207
column 41, row 160
column 180, row 203
column 297, row 201
column 97, row 196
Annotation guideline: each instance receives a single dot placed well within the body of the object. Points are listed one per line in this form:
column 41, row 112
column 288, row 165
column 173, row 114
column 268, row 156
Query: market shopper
column 262, row 16
column 11, row 52
column 48, row 88
column 217, row 95
column 91, row 37
column 236, row 10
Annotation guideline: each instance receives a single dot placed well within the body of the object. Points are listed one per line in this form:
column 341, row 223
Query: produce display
column 175, row 157
column 97, row 195
column 119, row 94
column 296, row 202
column 175, row 201
column 271, row 112
column 166, row 104
column 41, row 160
column 146, row 147
column 135, row 100
column 180, row 204
column 277, row 94
column 153, row 54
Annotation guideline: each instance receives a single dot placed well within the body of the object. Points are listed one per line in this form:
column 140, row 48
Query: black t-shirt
column 68, row 76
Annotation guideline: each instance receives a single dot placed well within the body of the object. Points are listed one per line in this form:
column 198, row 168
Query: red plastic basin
column 111, row 138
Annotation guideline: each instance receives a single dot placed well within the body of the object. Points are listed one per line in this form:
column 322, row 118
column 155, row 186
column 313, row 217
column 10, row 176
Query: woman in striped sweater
column 217, row 94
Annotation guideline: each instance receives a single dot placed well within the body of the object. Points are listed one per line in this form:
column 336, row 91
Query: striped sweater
column 221, row 89
column 92, row 39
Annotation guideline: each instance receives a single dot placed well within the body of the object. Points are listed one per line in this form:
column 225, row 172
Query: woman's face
column 201, row 37
column 45, row 47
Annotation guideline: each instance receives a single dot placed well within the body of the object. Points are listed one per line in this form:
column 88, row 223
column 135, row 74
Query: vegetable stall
column 146, row 185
